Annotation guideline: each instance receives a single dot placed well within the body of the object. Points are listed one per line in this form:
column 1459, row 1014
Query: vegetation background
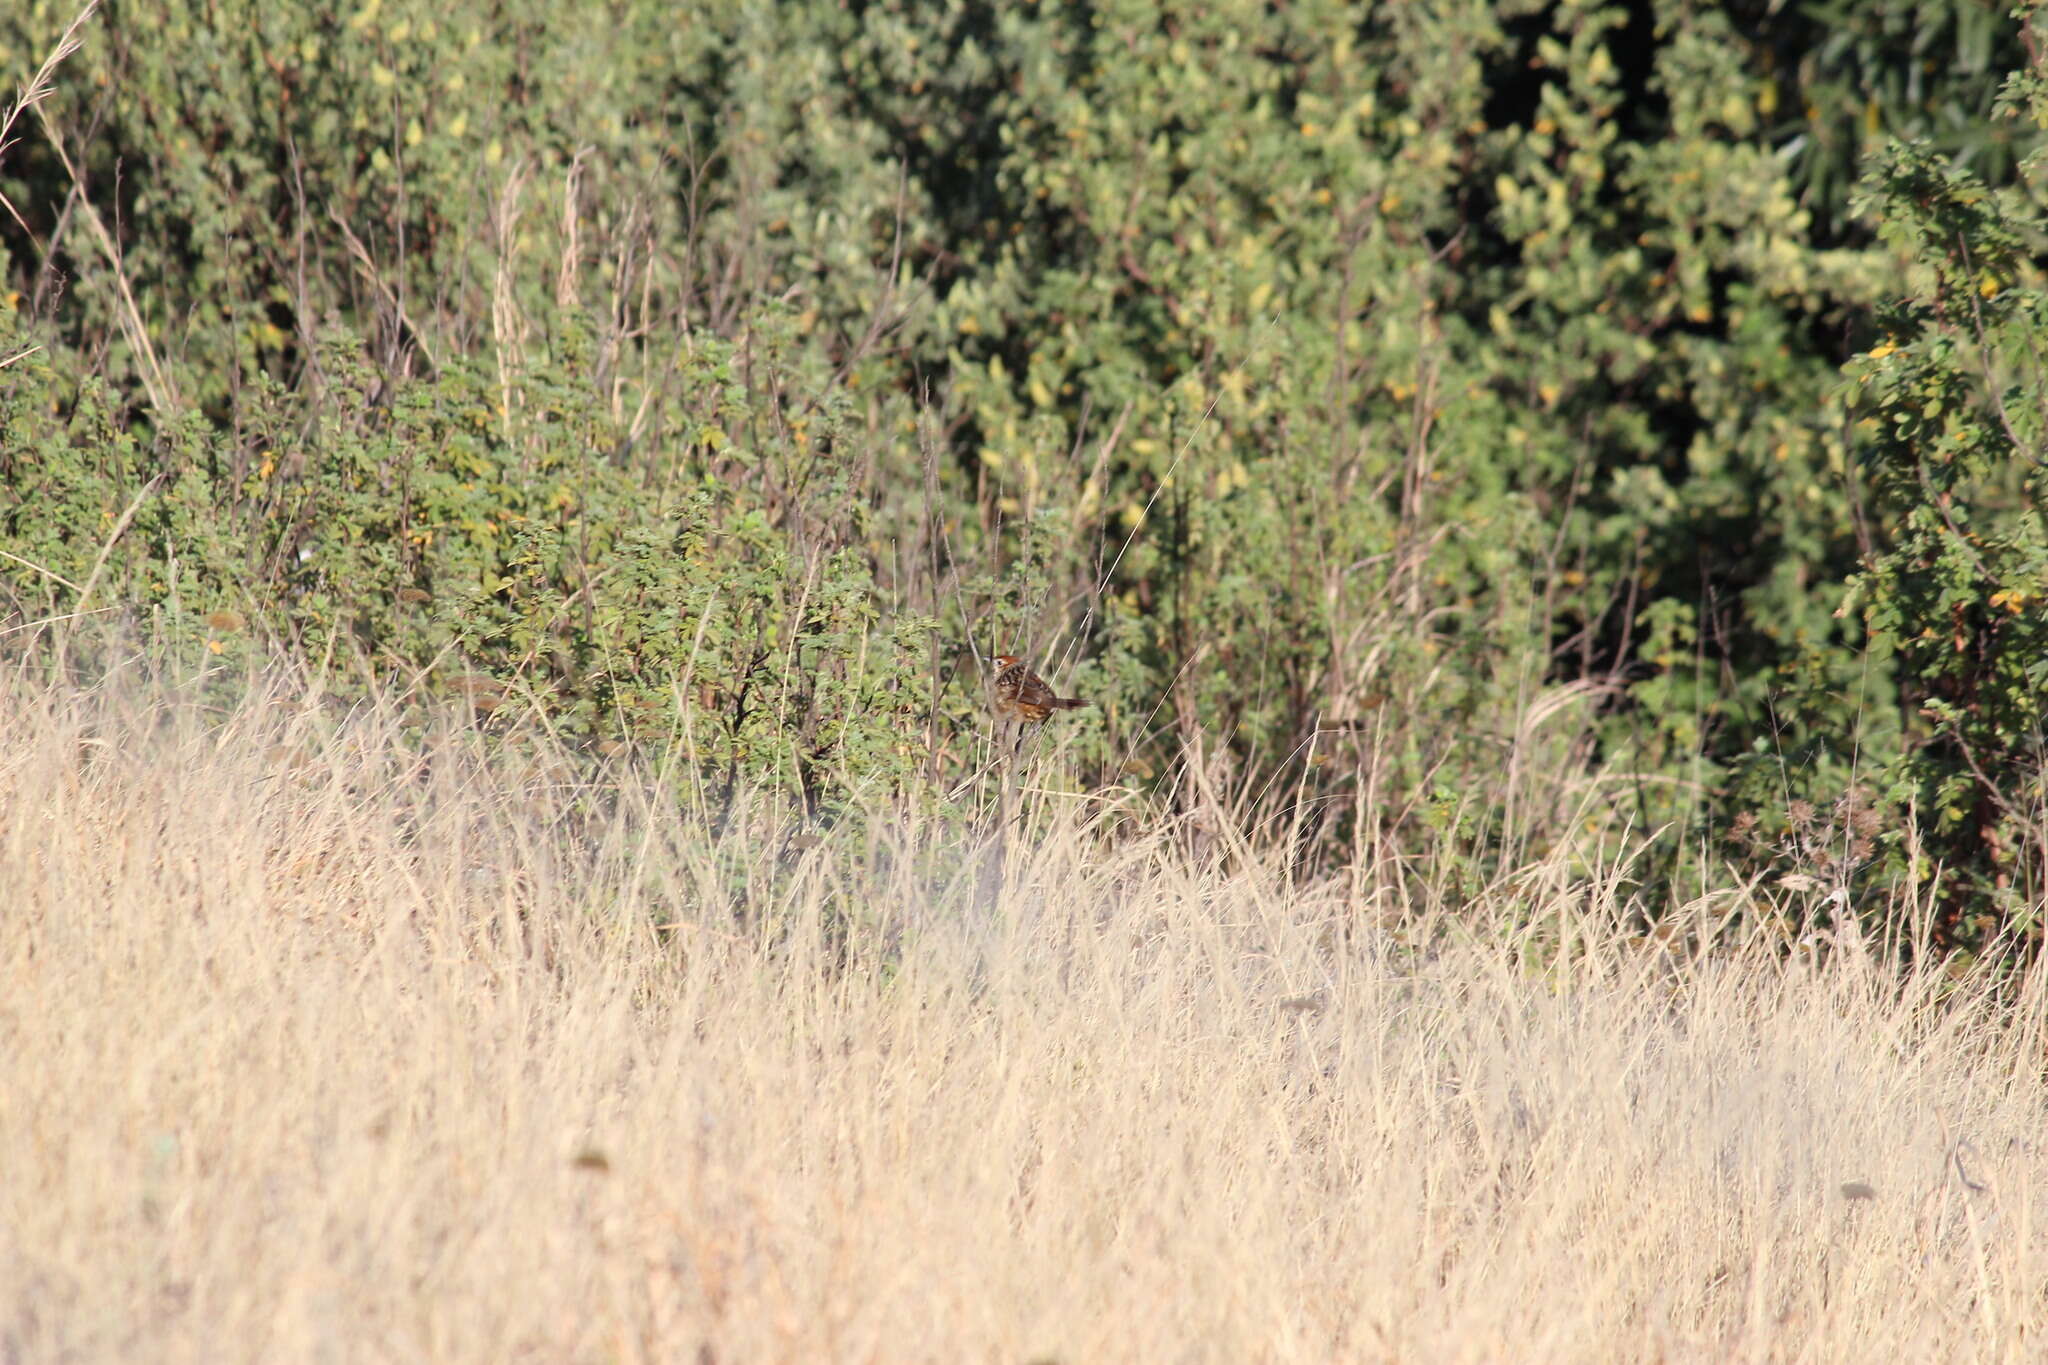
column 505, row 510
column 1399, row 414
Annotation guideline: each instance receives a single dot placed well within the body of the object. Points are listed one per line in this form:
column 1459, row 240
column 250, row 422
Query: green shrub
column 1951, row 431
column 1427, row 417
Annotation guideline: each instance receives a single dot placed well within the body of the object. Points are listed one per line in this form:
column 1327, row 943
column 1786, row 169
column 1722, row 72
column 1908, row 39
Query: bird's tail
column 1069, row 703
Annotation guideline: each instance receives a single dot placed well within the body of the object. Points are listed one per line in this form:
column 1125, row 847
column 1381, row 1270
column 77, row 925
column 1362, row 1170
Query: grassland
column 329, row 1038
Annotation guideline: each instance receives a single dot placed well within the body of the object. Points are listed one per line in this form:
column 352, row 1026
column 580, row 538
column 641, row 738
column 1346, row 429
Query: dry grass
column 312, row 1050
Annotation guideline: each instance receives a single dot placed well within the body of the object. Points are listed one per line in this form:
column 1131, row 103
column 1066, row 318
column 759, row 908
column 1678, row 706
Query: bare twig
column 163, row 395
column 47, row 573
column 53, row 620
column 113, row 537
column 369, row 271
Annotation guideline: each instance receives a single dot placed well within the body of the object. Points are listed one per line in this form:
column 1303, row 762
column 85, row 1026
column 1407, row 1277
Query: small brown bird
column 1022, row 695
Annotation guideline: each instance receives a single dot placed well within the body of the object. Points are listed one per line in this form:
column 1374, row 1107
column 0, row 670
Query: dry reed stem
column 37, row 90
column 163, row 393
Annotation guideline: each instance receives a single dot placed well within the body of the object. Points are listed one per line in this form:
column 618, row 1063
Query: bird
column 1023, row 696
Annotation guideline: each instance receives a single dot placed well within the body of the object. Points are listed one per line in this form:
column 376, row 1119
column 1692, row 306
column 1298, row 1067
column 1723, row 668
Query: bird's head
column 1005, row 660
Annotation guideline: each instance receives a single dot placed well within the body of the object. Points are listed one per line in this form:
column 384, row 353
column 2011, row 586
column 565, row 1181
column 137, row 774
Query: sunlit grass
column 319, row 1044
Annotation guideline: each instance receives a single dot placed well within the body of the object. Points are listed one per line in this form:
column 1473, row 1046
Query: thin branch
column 163, row 395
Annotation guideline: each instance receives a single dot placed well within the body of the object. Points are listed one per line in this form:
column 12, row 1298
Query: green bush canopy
column 1414, row 427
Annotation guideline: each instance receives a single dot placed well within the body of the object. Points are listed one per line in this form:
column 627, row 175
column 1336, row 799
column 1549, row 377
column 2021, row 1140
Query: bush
column 1410, row 426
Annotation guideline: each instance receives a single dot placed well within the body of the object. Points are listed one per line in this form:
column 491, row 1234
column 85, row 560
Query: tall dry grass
column 316, row 1048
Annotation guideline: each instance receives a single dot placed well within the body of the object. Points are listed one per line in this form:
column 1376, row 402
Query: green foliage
column 1343, row 395
column 413, row 536
column 1856, row 74
column 1951, row 430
